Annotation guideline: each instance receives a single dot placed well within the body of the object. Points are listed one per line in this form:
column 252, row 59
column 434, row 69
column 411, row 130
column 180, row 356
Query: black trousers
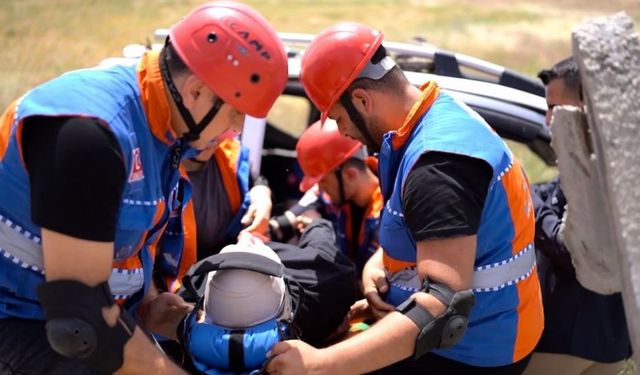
column 435, row 365
column 24, row 349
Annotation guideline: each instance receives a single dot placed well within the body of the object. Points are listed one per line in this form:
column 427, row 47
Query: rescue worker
column 585, row 332
column 455, row 280
column 338, row 165
column 239, row 203
column 224, row 201
column 89, row 176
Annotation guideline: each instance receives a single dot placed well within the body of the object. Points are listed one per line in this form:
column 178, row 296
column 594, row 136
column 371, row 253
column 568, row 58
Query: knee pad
column 76, row 327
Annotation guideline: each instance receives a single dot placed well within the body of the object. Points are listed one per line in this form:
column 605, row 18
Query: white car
column 513, row 104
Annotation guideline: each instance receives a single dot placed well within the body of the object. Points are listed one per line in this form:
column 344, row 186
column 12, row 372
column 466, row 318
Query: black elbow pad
column 76, row 327
column 444, row 330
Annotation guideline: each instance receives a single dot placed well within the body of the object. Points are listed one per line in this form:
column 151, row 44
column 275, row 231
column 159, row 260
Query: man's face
column 348, row 129
column 227, row 118
column 330, row 185
column 558, row 94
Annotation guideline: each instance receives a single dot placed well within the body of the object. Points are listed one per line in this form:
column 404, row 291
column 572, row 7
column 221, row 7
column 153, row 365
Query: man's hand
column 257, row 217
column 305, row 219
column 374, row 283
column 360, row 310
column 163, row 314
column 141, row 357
column 296, row 358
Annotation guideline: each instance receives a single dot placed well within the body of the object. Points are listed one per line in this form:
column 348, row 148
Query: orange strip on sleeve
column 226, row 156
column 395, row 265
column 6, row 123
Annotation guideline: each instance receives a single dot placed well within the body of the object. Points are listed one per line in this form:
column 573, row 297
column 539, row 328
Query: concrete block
column 586, row 226
column 608, row 53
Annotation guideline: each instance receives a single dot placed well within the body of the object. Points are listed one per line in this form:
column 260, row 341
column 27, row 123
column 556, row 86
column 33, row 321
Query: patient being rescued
column 256, row 295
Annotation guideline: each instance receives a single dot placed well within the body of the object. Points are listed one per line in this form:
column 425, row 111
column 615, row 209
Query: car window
column 537, row 170
column 290, row 114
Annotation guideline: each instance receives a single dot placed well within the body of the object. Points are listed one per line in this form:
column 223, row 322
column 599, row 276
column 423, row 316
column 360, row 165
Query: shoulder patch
column 137, row 173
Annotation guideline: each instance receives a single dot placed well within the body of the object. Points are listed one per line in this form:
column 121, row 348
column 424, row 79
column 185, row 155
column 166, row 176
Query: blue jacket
column 120, row 98
column 506, row 321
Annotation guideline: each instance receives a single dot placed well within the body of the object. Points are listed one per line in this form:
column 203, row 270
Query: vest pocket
column 134, row 221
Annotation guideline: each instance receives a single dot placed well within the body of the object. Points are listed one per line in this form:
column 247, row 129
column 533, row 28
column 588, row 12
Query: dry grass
column 43, row 38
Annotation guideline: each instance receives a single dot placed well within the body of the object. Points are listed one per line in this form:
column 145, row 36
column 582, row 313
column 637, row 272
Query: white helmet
column 241, row 298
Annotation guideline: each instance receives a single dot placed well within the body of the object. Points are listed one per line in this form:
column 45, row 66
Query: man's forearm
column 390, row 340
column 376, row 260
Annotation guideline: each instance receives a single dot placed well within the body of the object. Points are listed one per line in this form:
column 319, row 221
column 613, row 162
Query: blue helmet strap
column 237, row 361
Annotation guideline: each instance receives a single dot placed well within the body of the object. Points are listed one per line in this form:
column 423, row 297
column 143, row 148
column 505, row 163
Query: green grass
column 43, row 38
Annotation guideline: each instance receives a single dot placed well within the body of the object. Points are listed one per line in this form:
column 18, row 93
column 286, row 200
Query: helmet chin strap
column 194, row 128
column 357, row 119
column 343, row 198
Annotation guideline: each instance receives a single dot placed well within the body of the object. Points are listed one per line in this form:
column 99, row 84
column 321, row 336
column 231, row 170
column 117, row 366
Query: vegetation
column 43, row 38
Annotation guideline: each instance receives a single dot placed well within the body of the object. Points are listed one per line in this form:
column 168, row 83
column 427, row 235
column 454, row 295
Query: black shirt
column 212, row 209
column 444, row 195
column 76, row 174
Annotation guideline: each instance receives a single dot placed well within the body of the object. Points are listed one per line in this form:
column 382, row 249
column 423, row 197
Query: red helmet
column 334, row 59
column 321, row 149
column 235, row 52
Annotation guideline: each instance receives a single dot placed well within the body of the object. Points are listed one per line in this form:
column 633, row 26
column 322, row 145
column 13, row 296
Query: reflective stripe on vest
column 20, row 245
column 25, row 250
column 493, row 277
column 489, row 278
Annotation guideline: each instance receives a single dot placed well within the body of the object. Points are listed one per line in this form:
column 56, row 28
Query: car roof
column 512, row 103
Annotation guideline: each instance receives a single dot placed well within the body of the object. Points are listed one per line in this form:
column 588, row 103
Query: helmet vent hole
column 212, row 37
column 255, row 78
column 237, row 94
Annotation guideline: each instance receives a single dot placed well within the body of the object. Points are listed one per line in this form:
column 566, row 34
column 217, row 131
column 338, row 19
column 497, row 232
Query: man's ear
column 362, row 100
column 349, row 173
column 191, row 90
